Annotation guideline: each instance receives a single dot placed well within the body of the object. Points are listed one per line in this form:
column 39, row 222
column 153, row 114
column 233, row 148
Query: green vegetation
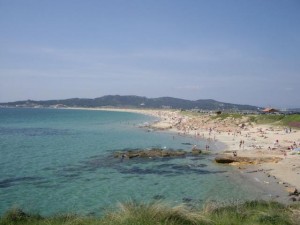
column 281, row 120
column 284, row 120
column 254, row 212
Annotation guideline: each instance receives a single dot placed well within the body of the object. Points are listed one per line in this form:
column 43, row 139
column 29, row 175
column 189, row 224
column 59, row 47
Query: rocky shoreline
column 156, row 153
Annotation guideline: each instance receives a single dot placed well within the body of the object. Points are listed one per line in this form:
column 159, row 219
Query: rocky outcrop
column 292, row 191
column 227, row 159
column 154, row 153
column 196, row 151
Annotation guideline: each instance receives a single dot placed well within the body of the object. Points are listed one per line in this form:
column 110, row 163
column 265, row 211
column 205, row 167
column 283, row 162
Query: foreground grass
column 254, row 212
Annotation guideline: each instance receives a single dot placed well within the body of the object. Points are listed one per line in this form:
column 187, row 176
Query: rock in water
column 157, row 152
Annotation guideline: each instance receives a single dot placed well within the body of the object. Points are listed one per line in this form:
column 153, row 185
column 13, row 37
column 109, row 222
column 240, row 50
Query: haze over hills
column 133, row 101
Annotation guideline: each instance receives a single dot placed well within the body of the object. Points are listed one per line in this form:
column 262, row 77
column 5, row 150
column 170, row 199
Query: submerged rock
column 187, row 199
column 158, row 197
column 186, row 143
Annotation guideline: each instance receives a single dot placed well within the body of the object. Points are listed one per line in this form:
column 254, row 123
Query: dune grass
column 132, row 213
column 283, row 120
column 273, row 119
column 255, row 212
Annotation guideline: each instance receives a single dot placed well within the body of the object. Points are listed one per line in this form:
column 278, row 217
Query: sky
column 244, row 52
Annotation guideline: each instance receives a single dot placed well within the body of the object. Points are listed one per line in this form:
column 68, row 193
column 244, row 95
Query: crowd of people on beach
column 241, row 134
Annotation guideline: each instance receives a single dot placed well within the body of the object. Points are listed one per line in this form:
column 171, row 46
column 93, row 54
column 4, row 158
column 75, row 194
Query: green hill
column 131, row 101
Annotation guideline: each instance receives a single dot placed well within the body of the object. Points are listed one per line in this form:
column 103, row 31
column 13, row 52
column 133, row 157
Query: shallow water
column 54, row 161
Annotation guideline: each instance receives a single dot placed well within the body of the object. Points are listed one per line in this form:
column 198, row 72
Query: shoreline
column 252, row 140
column 247, row 139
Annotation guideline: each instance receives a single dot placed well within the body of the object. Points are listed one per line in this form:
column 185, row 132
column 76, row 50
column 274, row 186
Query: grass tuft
column 254, row 212
column 15, row 215
column 153, row 213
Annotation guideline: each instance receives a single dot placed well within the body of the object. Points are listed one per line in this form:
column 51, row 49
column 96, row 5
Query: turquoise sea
column 55, row 161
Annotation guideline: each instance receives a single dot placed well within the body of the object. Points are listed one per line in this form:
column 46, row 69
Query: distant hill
column 131, row 101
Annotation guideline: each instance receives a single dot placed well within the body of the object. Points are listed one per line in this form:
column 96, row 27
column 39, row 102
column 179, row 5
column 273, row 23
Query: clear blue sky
column 243, row 51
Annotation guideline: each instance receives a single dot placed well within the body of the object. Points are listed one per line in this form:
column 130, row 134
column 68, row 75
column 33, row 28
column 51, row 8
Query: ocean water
column 56, row 161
